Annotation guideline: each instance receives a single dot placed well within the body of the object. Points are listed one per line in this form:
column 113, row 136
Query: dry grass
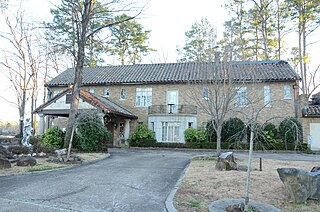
column 42, row 164
column 203, row 184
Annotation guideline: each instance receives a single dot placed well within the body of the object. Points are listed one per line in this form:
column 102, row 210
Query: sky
column 168, row 21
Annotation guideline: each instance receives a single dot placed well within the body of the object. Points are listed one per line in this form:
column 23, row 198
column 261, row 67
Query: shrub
column 141, row 134
column 290, row 130
column 93, row 134
column 54, row 137
column 232, row 130
column 195, row 135
column 210, row 132
column 18, row 150
column 190, row 135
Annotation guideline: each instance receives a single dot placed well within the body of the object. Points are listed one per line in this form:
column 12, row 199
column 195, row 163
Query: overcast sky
column 168, row 20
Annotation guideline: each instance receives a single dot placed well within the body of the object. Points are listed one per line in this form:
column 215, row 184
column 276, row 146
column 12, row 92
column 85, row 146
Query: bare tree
column 20, row 61
column 216, row 94
column 81, row 14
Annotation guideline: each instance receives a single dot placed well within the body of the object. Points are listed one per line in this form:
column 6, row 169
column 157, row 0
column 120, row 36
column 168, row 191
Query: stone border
column 221, row 205
column 169, row 200
column 56, row 169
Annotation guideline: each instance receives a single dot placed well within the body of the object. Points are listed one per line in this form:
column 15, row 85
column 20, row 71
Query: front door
column 172, row 101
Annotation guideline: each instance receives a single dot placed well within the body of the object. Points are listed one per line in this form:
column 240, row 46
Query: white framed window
column 242, row 97
column 91, row 90
column 143, row 97
column 106, row 92
column 170, row 131
column 205, row 93
column 267, row 96
column 123, row 93
column 286, row 92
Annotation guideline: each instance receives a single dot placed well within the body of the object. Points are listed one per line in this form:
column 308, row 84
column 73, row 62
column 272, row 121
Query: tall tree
column 128, row 41
column 21, row 61
column 306, row 15
column 235, row 42
column 200, row 43
column 81, row 16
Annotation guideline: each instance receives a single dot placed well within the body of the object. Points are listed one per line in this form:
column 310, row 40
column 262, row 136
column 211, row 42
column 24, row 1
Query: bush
column 18, row 150
column 290, row 130
column 141, row 135
column 211, row 132
column 233, row 130
column 195, row 135
column 54, row 137
column 93, row 134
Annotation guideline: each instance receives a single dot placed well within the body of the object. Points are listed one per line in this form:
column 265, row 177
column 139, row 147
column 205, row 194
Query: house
column 159, row 95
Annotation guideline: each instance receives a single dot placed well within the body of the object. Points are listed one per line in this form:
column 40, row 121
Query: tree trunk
column 81, row 42
column 218, row 140
column 249, row 170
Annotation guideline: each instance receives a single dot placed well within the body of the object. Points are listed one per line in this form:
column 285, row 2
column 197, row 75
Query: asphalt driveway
column 130, row 180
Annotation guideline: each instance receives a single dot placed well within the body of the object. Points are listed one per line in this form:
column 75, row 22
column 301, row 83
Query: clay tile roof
column 311, row 111
column 179, row 73
column 106, row 104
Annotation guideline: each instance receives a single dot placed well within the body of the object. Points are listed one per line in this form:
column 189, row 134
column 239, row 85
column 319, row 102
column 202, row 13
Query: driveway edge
column 108, row 155
column 169, row 201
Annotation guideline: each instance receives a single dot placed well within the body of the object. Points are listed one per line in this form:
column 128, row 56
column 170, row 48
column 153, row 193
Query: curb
column 57, row 169
column 169, row 200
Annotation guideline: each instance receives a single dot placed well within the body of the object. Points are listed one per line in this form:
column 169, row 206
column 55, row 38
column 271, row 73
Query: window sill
column 287, row 98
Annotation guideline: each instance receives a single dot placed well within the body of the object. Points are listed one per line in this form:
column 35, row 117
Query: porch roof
column 99, row 102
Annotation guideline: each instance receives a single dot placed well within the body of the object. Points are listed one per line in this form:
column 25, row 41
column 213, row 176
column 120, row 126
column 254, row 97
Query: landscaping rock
column 226, row 162
column 26, row 161
column 60, row 152
column 315, row 169
column 300, row 184
column 4, row 163
column 4, row 153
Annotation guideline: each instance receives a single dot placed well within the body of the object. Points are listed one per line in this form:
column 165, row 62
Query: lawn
column 202, row 184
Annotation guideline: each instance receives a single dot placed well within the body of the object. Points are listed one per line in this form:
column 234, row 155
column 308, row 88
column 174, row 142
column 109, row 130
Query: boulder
column 300, row 184
column 315, row 169
column 226, row 162
column 60, row 152
column 4, row 153
column 26, row 161
column 4, row 163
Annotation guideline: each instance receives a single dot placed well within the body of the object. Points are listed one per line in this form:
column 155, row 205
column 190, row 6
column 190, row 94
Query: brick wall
column 279, row 109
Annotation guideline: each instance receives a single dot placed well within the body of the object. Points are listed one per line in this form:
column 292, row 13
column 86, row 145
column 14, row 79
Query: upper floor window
column 106, row 92
column 242, row 98
column 123, row 93
column 267, row 97
column 287, row 93
column 205, row 93
column 143, row 97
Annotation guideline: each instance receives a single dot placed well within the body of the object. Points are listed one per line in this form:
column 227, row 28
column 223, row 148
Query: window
column 56, row 92
column 267, row 98
column 286, row 90
column 205, row 93
column 143, row 97
column 121, row 130
column 123, row 93
column 91, row 90
column 242, row 99
column 170, row 131
column 106, row 92
column 68, row 98
column 152, row 126
column 190, row 124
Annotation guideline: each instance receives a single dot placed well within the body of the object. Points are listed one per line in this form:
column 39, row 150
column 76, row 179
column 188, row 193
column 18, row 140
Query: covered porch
column 118, row 120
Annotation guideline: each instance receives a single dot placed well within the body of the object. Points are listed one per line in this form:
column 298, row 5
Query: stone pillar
column 41, row 124
column 126, row 129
